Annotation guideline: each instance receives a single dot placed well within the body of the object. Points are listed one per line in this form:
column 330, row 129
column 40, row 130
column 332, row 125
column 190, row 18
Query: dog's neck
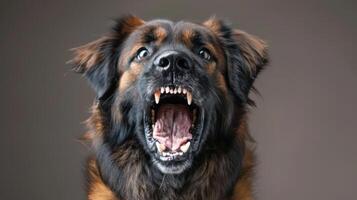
column 127, row 174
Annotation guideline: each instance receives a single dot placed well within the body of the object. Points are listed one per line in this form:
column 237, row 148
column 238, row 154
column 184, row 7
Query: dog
column 169, row 121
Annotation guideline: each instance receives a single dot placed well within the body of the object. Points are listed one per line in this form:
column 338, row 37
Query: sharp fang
column 157, row 97
column 179, row 90
column 189, row 98
column 171, row 91
column 162, row 90
column 184, row 91
column 175, row 91
column 185, row 147
column 167, row 89
column 160, row 147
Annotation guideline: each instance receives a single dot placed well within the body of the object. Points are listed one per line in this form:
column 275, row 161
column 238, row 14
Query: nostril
column 182, row 63
column 164, row 62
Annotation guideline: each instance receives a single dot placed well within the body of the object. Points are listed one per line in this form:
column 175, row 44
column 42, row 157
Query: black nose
column 173, row 59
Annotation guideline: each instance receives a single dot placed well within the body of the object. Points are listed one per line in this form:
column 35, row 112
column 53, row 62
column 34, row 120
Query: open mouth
column 173, row 124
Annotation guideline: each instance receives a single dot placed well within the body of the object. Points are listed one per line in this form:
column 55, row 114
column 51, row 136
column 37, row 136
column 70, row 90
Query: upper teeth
column 176, row 90
column 185, row 147
column 160, row 147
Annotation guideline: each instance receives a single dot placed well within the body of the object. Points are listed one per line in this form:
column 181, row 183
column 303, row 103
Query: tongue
column 173, row 122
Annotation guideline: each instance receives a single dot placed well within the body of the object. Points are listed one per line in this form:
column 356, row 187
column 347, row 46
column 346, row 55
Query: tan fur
column 129, row 157
column 97, row 189
column 221, row 83
column 88, row 55
column 94, row 124
column 129, row 76
column 213, row 24
column 211, row 68
column 131, row 23
column 186, row 37
column 252, row 49
column 160, row 35
column 243, row 189
column 127, row 54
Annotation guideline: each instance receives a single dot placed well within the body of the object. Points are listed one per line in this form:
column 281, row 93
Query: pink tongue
column 172, row 125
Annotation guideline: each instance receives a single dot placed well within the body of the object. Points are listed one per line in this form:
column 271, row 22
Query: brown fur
column 129, row 157
column 129, row 76
column 204, row 182
column 88, row 55
column 97, row 190
column 186, row 37
column 252, row 48
column 160, row 35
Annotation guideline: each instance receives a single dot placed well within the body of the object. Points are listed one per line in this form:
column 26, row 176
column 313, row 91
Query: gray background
column 305, row 122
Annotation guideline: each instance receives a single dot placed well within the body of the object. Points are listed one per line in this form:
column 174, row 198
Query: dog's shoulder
column 243, row 188
column 97, row 189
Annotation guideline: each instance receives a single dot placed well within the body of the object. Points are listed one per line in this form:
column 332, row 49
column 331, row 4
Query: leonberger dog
column 169, row 119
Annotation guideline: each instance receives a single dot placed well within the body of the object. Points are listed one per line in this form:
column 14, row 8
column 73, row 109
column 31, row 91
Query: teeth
column 176, row 90
column 189, row 98
column 157, row 97
column 185, row 147
column 160, row 147
column 167, row 89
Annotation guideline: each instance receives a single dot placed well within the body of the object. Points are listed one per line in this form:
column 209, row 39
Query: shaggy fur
column 222, row 160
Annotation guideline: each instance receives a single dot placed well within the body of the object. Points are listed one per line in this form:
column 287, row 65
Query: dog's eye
column 142, row 53
column 205, row 54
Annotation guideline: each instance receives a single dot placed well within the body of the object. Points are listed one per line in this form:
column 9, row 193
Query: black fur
column 223, row 114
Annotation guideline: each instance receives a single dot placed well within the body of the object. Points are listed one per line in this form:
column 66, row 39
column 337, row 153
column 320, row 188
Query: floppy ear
column 246, row 56
column 98, row 60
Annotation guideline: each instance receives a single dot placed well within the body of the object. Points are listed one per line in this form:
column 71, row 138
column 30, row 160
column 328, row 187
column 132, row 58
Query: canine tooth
column 167, row 89
column 160, row 147
column 162, row 90
column 157, row 97
column 175, row 91
column 185, row 147
column 179, row 90
column 184, row 91
column 171, row 91
column 189, row 98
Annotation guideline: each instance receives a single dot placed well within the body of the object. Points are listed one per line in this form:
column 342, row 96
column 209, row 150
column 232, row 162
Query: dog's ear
column 246, row 56
column 98, row 60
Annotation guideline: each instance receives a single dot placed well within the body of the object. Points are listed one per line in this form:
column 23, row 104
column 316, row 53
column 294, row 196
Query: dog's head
column 175, row 87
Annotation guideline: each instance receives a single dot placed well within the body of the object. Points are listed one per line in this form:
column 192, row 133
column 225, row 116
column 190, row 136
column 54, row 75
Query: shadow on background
column 305, row 122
